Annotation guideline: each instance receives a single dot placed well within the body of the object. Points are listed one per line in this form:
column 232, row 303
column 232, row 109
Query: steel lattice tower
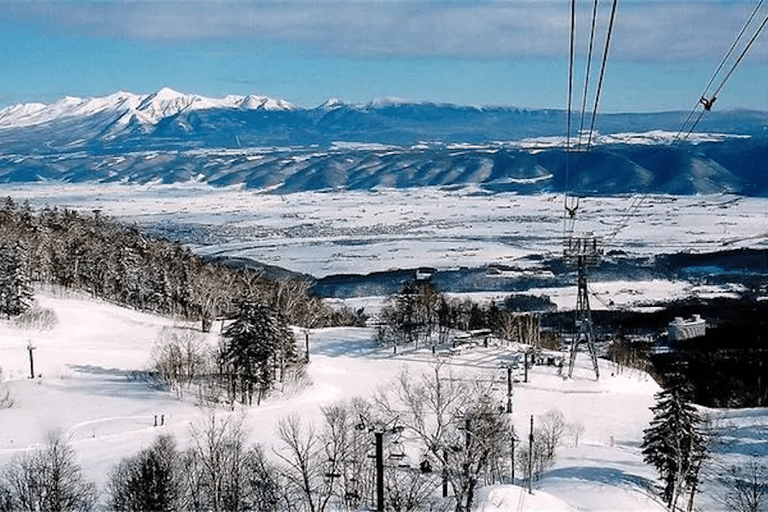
column 584, row 251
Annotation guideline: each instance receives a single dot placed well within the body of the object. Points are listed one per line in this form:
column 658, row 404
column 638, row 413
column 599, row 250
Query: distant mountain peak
column 166, row 93
column 392, row 102
column 332, row 103
column 127, row 107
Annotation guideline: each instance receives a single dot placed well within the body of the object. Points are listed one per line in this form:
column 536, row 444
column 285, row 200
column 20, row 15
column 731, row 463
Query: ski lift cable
column 572, row 206
column 636, row 204
column 741, row 57
column 587, row 72
column 733, row 46
column 568, row 208
column 717, row 71
column 602, row 72
column 601, row 301
column 568, row 113
column 693, row 126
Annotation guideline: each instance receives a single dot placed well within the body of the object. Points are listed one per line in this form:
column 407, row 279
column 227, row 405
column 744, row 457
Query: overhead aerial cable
column 572, row 203
column 602, row 72
column 569, row 209
column 708, row 100
column 587, row 73
column 704, row 101
column 741, row 57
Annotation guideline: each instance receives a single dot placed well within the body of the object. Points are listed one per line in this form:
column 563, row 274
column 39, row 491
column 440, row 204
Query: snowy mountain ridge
column 148, row 109
column 268, row 144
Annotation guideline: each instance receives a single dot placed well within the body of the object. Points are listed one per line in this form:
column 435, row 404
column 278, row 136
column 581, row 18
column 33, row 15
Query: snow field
column 88, row 360
column 85, row 389
column 325, row 233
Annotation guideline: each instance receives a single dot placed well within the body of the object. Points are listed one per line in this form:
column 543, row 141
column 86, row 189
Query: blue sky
column 481, row 52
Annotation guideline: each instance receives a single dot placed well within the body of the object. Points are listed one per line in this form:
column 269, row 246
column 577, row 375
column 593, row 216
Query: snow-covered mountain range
column 268, row 143
column 130, row 108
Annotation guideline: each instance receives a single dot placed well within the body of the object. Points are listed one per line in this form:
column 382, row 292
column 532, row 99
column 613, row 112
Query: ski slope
column 87, row 363
column 84, row 387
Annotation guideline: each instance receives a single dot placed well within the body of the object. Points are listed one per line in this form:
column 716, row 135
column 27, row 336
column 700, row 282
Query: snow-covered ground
column 337, row 232
column 85, row 389
column 87, row 362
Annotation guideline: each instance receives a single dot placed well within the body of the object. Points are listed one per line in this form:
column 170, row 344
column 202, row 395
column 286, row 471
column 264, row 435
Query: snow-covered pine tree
column 16, row 294
column 256, row 346
column 673, row 443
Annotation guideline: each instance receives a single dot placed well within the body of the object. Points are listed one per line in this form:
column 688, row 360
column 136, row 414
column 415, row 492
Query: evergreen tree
column 15, row 289
column 256, row 345
column 147, row 481
column 673, row 443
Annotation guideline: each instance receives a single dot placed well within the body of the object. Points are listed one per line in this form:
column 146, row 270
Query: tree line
column 119, row 263
column 425, row 442
column 256, row 350
column 421, row 314
column 441, row 438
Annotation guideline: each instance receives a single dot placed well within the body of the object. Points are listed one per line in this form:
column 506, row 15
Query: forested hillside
column 115, row 262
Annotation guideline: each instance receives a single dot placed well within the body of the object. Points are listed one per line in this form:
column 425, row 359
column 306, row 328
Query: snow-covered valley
column 87, row 363
column 85, row 389
column 358, row 232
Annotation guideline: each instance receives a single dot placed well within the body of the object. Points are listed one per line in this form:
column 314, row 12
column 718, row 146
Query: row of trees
column 440, row 433
column 420, row 311
column 437, row 431
column 119, row 263
column 256, row 350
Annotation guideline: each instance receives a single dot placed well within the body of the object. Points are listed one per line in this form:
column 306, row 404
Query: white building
column 680, row 329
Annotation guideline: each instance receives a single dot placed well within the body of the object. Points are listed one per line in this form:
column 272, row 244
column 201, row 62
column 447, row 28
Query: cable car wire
column 707, row 104
column 572, row 206
column 602, row 72
column 587, row 73
column 741, row 57
column 569, row 209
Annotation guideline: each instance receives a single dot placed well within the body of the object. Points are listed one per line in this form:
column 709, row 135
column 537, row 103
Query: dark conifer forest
column 116, row 262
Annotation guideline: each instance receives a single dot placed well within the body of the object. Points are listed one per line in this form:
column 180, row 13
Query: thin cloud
column 646, row 31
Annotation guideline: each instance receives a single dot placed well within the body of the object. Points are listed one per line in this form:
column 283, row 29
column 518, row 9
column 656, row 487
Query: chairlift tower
column 583, row 250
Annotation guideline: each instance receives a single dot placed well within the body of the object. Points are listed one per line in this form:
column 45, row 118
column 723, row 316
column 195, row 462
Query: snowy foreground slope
column 85, row 389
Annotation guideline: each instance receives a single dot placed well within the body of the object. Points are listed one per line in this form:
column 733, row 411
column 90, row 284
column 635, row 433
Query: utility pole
column 379, row 471
column 445, row 473
column 513, row 456
column 530, row 458
column 509, row 389
column 379, row 430
column 30, row 348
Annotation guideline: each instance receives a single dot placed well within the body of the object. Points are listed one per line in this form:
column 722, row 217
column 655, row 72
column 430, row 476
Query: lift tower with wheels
column 583, row 251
